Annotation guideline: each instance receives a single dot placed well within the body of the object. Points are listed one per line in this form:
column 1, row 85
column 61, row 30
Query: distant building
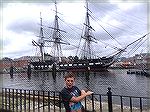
column 17, row 64
column 139, row 61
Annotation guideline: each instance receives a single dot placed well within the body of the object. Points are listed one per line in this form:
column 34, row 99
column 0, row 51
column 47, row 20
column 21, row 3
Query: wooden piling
column 11, row 71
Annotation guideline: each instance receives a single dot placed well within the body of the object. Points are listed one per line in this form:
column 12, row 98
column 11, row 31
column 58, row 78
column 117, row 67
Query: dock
column 139, row 72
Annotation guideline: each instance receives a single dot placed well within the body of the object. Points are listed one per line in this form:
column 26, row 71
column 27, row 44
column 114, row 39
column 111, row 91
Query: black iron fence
column 19, row 100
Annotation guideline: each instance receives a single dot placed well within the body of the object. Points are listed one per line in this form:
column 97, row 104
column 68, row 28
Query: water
column 98, row 82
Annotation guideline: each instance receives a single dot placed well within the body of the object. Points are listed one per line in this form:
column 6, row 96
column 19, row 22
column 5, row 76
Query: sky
column 125, row 21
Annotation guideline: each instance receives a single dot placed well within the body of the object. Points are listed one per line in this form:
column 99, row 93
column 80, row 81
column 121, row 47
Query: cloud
column 125, row 22
column 22, row 26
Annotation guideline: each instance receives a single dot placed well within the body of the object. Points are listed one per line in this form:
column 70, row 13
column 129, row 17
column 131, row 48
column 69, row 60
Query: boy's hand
column 83, row 92
column 86, row 93
column 89, row 93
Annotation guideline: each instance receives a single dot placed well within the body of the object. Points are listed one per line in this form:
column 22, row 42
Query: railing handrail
column 14, row 96
column 31, row 90
column 93, row 93
column 133, row 96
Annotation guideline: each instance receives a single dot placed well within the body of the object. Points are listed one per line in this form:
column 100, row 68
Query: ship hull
column 85, row 68
column 100, row 64
column 88, row 65
column 39, row 65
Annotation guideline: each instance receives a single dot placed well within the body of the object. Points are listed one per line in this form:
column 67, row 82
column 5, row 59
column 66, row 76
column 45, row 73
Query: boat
column 87, row 60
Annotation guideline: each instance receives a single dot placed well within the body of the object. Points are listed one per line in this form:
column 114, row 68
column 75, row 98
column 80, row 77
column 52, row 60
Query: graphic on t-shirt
column 75, row 106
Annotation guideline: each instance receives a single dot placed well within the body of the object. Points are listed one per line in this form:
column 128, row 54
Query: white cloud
column 19, row 31
column 73, row 12
column 15, row 14
column 17, row 42
column 127, row 5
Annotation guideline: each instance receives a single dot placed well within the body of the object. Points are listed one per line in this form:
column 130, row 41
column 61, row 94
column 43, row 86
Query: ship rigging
column 86, row 60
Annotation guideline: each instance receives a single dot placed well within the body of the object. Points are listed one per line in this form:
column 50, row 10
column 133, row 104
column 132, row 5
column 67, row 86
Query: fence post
column 109, row 94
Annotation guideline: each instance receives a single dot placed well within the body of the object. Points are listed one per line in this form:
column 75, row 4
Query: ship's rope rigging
column 115, row 39
column 134, row 48
column 107, row 32
column 137, row 46
column 138, row 41
column 72, row 30
column 93, row 36
column 116, row 48
column 131, row 29
column 71, row 26
column 125, row 16
column 78, row 33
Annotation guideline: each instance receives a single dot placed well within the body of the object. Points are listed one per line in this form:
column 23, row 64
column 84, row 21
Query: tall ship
column 87, row 60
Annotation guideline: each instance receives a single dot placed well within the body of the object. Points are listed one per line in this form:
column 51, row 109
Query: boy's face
column 69, row 82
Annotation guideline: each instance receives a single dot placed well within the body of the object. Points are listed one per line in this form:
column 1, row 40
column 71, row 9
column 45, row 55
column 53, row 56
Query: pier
column 139, row 72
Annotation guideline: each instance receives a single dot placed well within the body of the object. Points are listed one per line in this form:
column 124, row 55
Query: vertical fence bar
column 13, row 101
column 109, row 94
column 17, row 100
column 25, row 100
column 85, row 104
column 20, row 100
column 54, row 102
column 140, row 104
column 43, row 100
column 33, row 100
column 9, row 98
column 121, row 103
column 2, row 98
column 38, row 101
column 59, row 102
column 29, row 101
column 6, row 98
column 130, row 104
column 100, row 104
column 92, row 102
column 48, row 101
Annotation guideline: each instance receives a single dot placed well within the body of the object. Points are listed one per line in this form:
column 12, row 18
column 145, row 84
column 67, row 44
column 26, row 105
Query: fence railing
column 19, row 100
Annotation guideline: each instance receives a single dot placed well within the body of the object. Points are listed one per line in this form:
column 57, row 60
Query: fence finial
column 109, row 88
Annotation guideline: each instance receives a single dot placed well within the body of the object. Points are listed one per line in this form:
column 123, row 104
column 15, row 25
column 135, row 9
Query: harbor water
column 120, row 82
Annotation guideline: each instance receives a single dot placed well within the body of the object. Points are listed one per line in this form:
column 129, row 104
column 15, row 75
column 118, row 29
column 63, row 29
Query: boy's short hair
column 69, row 75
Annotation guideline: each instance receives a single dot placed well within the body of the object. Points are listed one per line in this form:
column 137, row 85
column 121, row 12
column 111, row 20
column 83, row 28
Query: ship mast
column 88, row 38
column 56, row 51
column 41, row 40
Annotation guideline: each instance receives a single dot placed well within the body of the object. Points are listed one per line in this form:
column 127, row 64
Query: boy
column 71, row 95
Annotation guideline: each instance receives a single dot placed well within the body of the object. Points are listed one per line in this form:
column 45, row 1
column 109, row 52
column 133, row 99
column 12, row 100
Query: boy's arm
column 79, row 98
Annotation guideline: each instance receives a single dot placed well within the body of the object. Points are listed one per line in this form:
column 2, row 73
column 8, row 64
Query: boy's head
column 69, row 79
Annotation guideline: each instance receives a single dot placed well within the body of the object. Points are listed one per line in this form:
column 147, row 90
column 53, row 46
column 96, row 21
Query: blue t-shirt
column 67, row 94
